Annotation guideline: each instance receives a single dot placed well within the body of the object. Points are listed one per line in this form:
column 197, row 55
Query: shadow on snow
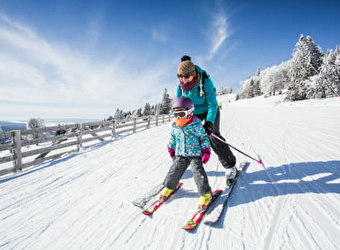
column 294, row 178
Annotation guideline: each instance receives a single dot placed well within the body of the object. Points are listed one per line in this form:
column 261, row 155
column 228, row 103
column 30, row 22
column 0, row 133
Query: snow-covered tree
column 306, row 62
column 158, row 108
column 166, row 103
column 327, row 83
column 224, row 91
column 139, row 112
column 3, row 139
column 147, row 109
column 274, row 79
column 35, row 123
column 243, row 93
column 119, row 115
column 322, row 79
column 256, row 87
column 250, row 88
column 337, row 70
column 258, row 72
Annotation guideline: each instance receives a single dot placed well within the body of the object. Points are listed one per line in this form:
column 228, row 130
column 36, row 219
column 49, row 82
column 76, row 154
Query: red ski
column 157, row 204
column 197, row 217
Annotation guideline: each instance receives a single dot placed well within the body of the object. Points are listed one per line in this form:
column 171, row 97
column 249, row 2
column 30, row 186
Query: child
column 189, row 145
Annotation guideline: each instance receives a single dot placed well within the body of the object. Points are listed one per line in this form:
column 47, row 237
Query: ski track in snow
column 83, row 201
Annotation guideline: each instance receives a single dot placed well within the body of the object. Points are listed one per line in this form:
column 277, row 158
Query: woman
column 195, row 84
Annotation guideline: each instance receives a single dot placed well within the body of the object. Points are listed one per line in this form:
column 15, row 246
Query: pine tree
column 257, row 83
column 274, row 80
column 224, row 91
column 251, row 88
column 139, row 112
column 258, row 72
column 158, row 108
column 246, row 89
column 257, row 90
column 328, row 80
column 119, row 115
column 166, row 103
column 337, row 71
column 306, row 62
column 147, row 109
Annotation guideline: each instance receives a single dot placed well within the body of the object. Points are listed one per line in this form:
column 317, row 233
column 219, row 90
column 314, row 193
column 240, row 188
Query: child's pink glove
column 171, row 152
column 205, row 155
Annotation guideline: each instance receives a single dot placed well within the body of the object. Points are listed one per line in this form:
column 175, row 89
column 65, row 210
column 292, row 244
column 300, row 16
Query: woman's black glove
column 208, row 126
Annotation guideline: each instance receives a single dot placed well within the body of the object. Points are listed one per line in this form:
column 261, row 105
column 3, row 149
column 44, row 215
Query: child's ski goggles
column 182, row 113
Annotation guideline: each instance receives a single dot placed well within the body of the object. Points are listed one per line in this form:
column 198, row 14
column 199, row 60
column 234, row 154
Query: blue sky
column 86, row 58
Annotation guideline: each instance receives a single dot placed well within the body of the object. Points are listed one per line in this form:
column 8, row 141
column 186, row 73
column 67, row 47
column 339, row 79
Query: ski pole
column 258, row 161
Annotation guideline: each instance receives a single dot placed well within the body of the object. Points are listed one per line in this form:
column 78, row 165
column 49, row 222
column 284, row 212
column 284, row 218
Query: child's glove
column 171, row 152
column 205, row 155
column 208, row 127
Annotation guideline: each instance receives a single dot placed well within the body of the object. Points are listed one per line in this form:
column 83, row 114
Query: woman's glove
column 208, row 126
column 205, row 155
column 171, row 152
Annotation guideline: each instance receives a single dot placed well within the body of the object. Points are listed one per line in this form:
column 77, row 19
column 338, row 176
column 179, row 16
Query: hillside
column 8, row 126
column 83, row 201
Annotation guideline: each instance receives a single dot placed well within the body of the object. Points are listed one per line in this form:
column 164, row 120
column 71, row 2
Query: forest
column 309, row 74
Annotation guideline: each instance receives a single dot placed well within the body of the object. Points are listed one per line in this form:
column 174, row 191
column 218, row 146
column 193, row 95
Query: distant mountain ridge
column 20, row 125
column 8, row 126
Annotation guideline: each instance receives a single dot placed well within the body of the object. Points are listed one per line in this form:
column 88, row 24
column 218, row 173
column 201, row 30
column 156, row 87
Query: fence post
column 79, row 136
column 163, row 119
column 157, row 120
column 114, row 127
column 134, row 125
column 17, row 151
column 149, row 121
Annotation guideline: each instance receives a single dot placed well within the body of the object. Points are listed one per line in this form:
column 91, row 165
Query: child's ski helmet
column 183, row 102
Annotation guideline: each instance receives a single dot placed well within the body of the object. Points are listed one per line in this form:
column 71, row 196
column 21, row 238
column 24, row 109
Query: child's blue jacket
column 189, row 140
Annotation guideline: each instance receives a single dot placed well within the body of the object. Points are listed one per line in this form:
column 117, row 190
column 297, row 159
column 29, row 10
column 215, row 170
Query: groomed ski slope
column 83, row 201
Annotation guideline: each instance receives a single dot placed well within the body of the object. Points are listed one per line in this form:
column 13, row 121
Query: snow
column 83, row 201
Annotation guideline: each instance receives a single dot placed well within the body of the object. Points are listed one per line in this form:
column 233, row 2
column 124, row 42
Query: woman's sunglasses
column 183, row 76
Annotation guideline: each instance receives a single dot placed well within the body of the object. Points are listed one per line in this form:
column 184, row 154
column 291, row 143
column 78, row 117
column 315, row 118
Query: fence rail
column 20, row 149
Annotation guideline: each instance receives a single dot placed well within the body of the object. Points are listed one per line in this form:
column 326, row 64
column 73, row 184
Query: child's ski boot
column 165, row 194
column 205, row 199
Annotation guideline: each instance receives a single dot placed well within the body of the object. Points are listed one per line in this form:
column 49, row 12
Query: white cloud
column 219, row 33
column 38, row 73
column 216, row 34
column 159, row 35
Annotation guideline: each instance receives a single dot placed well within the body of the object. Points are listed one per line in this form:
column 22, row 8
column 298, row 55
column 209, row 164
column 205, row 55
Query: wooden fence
column 20, row 149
